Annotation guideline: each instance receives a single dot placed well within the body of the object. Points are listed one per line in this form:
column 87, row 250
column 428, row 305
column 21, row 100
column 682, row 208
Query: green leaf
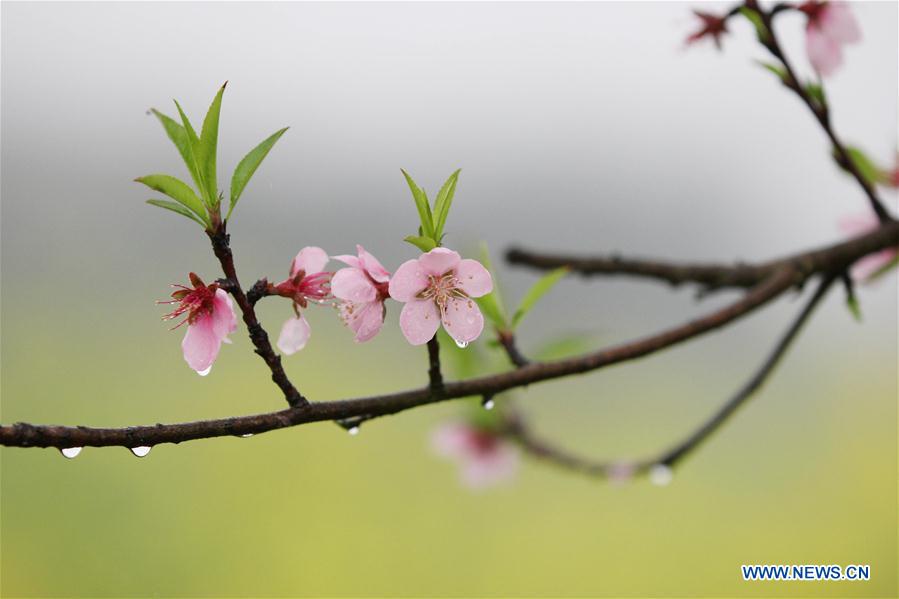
column 177, row 190
column 193, row 147
column 178, row 135
column 423, row 206
column 209, row 144
column 537, row 291
column 425, row 244
column 761, row 30
column 777, row 70
column 175, row 207
column 883, row 269
column 869, row 171
column 854, row 308
column 816, row 92
column 443, row 202
column 249, row 164
column 492, row 304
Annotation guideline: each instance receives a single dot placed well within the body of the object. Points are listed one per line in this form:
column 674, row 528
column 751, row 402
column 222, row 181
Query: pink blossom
column 308, row 282
column 210, row 318
column 830, row 26
column 484, row 458
column 362, row 289
column 712, row 26
column 438, row 287
column 870, row 264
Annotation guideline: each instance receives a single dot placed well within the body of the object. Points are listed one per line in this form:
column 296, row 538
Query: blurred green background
column 554, row 107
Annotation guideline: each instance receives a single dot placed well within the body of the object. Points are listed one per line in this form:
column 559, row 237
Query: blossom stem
column 435, row 376
column 222, row 249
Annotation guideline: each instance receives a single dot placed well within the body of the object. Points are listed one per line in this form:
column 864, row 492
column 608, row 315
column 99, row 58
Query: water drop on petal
column 353, row 431
column 71, row 452
column 141, row 451
column 204, row 372
column 660, row 475
column 461, row 344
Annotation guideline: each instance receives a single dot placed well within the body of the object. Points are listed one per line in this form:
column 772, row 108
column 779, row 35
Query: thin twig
column 258, row 335
column 435, row 377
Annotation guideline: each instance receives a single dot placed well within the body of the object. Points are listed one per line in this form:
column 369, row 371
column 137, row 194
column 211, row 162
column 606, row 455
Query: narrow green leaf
column 537, row 291
column 777, row 70
column 816, row 91
column 177, row 190
column 854, row 308
column 761, row 30
column 175, row 207
column 491, row 308
column 248, row 166
column 193, row 147
column 425, row 244
column 869, row 171
column 423, row 206
column 209, row 144
column 883, row 269
column 178, row 135
column 443, row 202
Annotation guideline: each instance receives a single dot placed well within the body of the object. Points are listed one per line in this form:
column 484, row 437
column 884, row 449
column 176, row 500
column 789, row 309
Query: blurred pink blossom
column 308, row 282
column 830, row 26
column 484, row 458
column 362, row 289
column 870, row 264
column 438, row 286
column 210, row 318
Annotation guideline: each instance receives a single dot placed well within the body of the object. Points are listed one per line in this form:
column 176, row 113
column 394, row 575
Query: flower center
column 441, row 289
column 195, row 302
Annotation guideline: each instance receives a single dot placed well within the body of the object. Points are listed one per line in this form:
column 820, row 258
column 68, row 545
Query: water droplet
column 204, row 372
column 353, row 431
column 461, row 344
column 71, row 452
column 141, row 451
column 488, row 404
column 660, row 475
column 245, row 435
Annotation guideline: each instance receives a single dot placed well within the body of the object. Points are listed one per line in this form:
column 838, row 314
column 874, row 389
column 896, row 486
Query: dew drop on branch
column 141, row 450
column 71, row 452
column 660, row 475
column 353, row 430
column 245, row 435
column 488, row 404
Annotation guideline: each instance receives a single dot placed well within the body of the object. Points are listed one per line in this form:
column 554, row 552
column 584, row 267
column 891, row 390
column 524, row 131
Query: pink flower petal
column 462, row 319
column 372, row 266
column 473, row 278
column 353, row 285
column 408, row 280
column 838, row 23
column 366, row 320
column 224, row 320
column 294, row 335
column 419, row 320
column 823, row 52
column 491, row 469
column 201, row 344
column 352, row 261
column 310, row 260
column 451, row 440
column 438, row 261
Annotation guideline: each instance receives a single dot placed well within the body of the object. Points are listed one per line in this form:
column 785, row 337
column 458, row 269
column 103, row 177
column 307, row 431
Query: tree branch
column 834, row 259
column 220, row 245
column 435, row 377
